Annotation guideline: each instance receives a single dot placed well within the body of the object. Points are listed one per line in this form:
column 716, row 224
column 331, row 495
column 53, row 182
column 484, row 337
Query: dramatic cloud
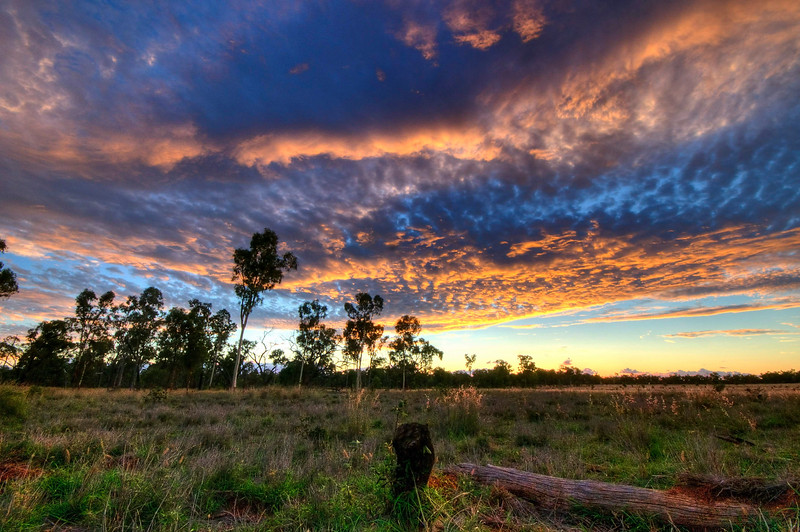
column 474, row 162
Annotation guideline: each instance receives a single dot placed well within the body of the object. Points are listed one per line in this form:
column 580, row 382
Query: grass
column 311, row 459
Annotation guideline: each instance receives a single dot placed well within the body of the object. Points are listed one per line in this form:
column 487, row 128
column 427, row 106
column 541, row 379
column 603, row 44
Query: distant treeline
column 51, row 355
column 137, row 343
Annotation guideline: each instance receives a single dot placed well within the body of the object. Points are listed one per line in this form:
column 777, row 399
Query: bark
column 674, row 506
column 213, row 370
column 302, row 364
column 243, row 323
column 413, row 447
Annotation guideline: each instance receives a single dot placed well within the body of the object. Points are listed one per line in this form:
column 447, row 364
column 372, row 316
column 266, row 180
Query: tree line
column 138, row 343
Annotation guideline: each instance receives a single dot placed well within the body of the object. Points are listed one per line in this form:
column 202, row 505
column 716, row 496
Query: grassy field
column 310, row 459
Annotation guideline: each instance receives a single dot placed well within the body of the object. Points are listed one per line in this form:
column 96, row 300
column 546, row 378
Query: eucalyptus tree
column 10, row 351
column 44, row 359
column 470, row 362
column 256, row 270
column 8, row 279
column 409, row 351
column 526, row 375
column 315, row 342
column 137, row 322
column 198, row 339
column 184, row 343
column 360, row 332
column 91, row 327
column 220, row 328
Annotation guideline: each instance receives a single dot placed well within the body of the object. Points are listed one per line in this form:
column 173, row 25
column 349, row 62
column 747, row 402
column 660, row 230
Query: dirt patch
column 10, row 470
column 443, row 481
column 237, row 512
column 126, row 462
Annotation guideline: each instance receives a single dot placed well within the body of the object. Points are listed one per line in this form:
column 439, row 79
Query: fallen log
column 677, row 506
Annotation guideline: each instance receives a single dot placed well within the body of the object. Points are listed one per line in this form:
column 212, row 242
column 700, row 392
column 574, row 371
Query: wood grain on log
column 558, row 493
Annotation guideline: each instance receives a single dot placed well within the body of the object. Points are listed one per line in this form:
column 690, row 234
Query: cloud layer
column 473, row 162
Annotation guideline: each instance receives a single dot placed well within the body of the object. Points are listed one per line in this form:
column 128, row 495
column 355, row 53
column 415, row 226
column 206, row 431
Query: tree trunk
column 137, row 367
column 211, row 378
column 243, row 323
column 358, row 375
column 83, row 372
column 119, row 375
column 413, row 447
column 673, row 506
column 300, row 381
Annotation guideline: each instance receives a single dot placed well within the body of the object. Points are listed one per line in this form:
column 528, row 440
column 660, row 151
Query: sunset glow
column 610, row 186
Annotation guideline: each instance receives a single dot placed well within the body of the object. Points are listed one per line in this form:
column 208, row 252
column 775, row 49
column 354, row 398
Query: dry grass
column 284, row 458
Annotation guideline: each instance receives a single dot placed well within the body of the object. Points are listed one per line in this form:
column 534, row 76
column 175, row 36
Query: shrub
column 460, row 411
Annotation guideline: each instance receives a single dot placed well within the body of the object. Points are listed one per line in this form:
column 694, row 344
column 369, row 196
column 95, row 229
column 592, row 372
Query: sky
column 609, row 185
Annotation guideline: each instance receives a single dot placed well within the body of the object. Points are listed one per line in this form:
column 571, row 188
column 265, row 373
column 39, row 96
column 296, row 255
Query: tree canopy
column 316, row 343
column 256, row 270
column 360, row 332
column 8, row 279
column 408, row 350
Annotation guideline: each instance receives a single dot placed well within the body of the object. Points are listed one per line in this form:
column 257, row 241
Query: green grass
column 310, row 459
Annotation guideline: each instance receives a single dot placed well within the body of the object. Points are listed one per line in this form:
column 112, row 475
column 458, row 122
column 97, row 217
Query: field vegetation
column 289, row 458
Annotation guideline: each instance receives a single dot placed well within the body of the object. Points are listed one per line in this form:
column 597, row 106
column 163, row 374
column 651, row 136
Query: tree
column 172, row 342
column 185, row 342
column 257, row 270
column 137, row 322
column 407, row 350
column 315, row 342
column 10, row 353
column 8, row 279
column 470, row 360
column 44, row 360
column 527, row 370
column 220, row 327
column 360, row 332
column 91, row 325
column 198, row 338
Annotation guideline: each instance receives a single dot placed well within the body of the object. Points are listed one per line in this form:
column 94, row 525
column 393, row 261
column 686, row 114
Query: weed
column 459, row 411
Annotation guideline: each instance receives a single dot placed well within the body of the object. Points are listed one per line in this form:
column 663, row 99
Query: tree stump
column 413, row 447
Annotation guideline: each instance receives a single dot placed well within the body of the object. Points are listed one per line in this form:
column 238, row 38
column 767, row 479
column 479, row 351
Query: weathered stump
column 414, row 450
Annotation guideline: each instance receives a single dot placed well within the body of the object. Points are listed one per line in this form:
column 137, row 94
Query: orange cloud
column 466, row 143
column 469, row 21
column 722, row 50
column 528, row 19
column 730, row 332
column 780, row 304
column 422, row 37
column 459, row 286
column 161, row 147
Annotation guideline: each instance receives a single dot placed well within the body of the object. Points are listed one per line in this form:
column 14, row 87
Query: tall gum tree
column 360, row 332
column 316, row 342
column 91, row 325
column 220, row 328
column 408, row 350
column 138, row 320
column 256, row 270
